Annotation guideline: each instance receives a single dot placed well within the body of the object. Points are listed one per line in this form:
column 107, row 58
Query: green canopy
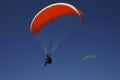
column 86, row 58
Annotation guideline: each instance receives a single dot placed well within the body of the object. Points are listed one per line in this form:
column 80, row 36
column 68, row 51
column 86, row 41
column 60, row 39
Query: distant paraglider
column 87, row 58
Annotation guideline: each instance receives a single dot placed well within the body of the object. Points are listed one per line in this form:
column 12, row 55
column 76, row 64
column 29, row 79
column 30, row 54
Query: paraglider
column 87, row 58
column 48, row 60
column 52, row 23
column 52, row 12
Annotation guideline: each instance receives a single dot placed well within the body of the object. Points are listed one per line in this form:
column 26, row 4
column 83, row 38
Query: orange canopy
column 50, row 13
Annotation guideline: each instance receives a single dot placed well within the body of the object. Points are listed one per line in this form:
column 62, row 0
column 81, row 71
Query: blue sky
column 21, row 57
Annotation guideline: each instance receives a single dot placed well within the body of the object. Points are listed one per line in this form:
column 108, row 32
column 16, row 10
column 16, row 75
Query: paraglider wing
column 86, row 58
column 50, row 13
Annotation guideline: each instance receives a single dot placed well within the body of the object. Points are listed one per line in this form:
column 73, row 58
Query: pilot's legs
column 45, row 64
